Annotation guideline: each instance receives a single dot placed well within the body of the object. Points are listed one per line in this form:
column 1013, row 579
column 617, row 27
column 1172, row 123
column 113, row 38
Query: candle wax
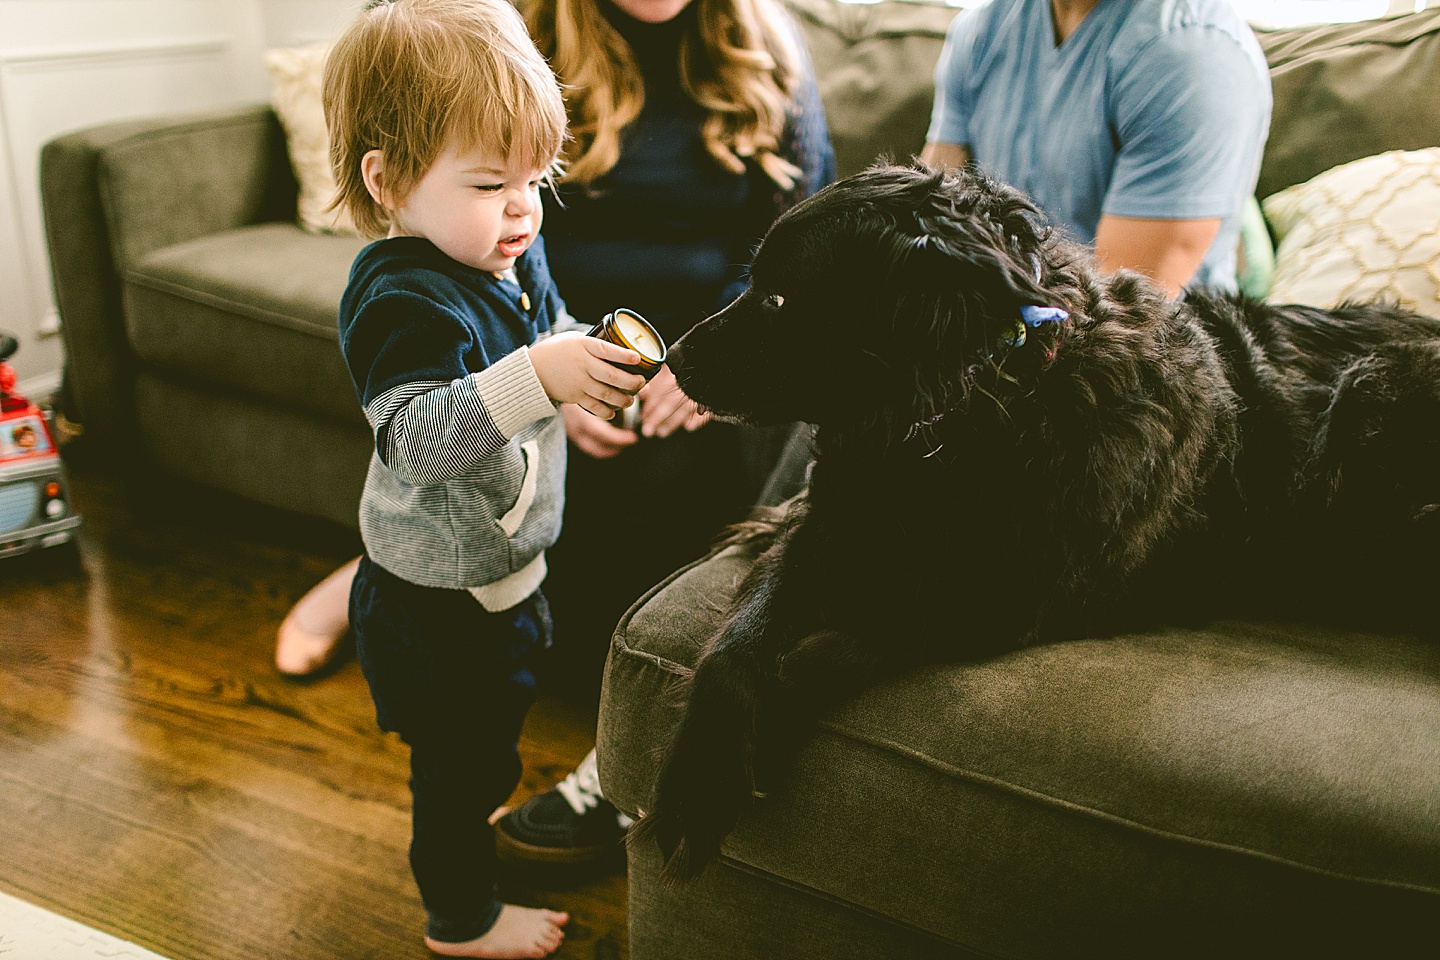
column 638, row 337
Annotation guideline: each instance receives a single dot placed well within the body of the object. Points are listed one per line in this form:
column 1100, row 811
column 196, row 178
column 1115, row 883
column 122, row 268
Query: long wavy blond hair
column 740, row 64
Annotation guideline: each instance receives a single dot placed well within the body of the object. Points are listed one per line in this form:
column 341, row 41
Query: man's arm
column 947, row 139
column 1168, row 251
column 1191, row 112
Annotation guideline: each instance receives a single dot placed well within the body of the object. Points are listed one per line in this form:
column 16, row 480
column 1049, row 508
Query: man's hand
column 594, row 436
column 574, row 368
column 664, row 408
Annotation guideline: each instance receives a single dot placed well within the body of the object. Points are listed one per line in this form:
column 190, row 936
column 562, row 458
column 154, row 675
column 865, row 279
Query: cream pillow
column 295, row 74
column 1365, row 230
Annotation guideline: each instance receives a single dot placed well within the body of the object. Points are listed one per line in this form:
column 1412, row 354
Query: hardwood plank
column 161, row 782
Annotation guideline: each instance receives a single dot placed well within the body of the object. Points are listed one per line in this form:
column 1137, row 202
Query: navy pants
column 454, row 681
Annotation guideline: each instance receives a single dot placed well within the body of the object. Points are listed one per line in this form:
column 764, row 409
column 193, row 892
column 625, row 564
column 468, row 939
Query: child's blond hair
column 412, row 77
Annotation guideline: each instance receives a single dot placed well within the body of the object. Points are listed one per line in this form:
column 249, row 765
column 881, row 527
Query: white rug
column 28, row 932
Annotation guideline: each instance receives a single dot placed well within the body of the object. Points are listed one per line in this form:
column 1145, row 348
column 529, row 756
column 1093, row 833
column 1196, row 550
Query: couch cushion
column 1364, row 230
column 296, row 76
column 1187, row 783
column 252, row 308
column 1349, row 90
column 876, row 69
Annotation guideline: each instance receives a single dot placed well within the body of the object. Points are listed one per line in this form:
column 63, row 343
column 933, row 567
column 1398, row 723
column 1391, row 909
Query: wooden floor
column 159, row 781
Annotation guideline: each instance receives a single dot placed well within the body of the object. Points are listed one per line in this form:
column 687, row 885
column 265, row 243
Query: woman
column 694, row 124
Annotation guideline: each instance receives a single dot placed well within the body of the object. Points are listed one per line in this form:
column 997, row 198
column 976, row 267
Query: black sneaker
column 570, row 823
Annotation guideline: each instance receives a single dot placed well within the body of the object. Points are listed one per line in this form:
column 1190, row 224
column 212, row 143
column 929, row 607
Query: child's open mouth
column 513, row 246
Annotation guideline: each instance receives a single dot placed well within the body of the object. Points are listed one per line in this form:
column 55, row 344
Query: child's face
column 476, row 208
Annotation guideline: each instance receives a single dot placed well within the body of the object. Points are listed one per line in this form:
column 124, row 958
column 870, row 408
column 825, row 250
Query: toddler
column 445, row 122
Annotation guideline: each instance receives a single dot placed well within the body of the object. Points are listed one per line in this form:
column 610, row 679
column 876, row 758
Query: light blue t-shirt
column 1152, row 109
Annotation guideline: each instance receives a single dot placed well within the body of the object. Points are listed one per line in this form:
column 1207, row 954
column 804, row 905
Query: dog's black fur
column 1138, row 462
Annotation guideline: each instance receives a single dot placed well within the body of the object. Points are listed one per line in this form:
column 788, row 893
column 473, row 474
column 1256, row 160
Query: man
column 1137, row 125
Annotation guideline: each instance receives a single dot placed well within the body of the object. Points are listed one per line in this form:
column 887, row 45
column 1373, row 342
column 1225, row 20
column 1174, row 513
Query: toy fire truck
column 35, row 506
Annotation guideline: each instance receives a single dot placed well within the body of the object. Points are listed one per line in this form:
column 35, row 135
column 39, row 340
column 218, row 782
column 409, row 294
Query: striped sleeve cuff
column 511, row 392
column 564, row 323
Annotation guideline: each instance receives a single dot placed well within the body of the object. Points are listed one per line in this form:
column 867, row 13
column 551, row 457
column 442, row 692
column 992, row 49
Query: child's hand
column 574, row 368
column 665, row 408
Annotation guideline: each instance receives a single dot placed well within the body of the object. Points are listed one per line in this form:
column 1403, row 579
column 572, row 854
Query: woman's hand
column 595, row 437
column 664, row 408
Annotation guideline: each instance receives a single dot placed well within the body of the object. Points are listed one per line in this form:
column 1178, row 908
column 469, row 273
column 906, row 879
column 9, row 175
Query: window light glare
column 1268, row 13
column 1293, row 13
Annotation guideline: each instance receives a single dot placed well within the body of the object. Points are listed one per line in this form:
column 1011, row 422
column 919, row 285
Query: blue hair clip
column 1033, row 317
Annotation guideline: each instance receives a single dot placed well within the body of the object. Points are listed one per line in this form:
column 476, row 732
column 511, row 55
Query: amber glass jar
column 628, row 329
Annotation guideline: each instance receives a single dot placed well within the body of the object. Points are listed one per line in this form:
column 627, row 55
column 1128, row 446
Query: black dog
column 989, row 475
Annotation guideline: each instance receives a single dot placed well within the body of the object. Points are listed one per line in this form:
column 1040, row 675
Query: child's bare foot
column 518, row 932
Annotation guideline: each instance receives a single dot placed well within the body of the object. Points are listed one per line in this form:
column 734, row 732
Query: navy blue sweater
column 667, row 231
column 466, row 486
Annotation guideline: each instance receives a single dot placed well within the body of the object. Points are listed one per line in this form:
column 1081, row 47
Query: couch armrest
column 113, row 193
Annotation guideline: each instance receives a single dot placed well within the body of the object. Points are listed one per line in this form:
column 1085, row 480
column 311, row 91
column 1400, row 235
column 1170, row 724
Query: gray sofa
column 1243, row 789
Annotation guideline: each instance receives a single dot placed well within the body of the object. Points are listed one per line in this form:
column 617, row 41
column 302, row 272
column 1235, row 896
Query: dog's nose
column 675, row 356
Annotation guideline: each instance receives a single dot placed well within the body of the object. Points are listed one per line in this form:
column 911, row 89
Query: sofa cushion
column 1255, row 261
column 252, row 308
column 876, row 70
column 1099, row 791
column 1349, row 90
column 186, row 177
column 296, row 75
column 1364, row 230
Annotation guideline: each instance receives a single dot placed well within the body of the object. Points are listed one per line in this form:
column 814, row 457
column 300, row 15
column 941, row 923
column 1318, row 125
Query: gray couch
column 1245, row 789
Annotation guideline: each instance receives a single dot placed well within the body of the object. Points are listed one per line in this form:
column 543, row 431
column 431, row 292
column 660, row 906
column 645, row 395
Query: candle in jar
column 635, row 332
column 628, row 329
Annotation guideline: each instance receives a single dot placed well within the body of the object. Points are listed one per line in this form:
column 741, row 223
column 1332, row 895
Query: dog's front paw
column 692, row 814
column 706, row 778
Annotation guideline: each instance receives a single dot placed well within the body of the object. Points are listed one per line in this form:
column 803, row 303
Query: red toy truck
column 35, row 506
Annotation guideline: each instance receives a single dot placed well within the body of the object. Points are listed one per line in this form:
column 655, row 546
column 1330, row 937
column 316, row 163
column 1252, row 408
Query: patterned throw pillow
column 295, row 93
column 1365, row 230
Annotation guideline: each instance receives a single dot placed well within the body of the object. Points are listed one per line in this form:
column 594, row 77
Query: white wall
column 290, row 23
column 67, row 64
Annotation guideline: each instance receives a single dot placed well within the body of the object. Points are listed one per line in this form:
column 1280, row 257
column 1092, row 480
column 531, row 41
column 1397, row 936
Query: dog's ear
column 966, row 254
column 989, row 227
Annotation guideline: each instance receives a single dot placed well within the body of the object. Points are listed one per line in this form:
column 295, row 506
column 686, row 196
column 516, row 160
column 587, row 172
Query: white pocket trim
column 516, row 514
